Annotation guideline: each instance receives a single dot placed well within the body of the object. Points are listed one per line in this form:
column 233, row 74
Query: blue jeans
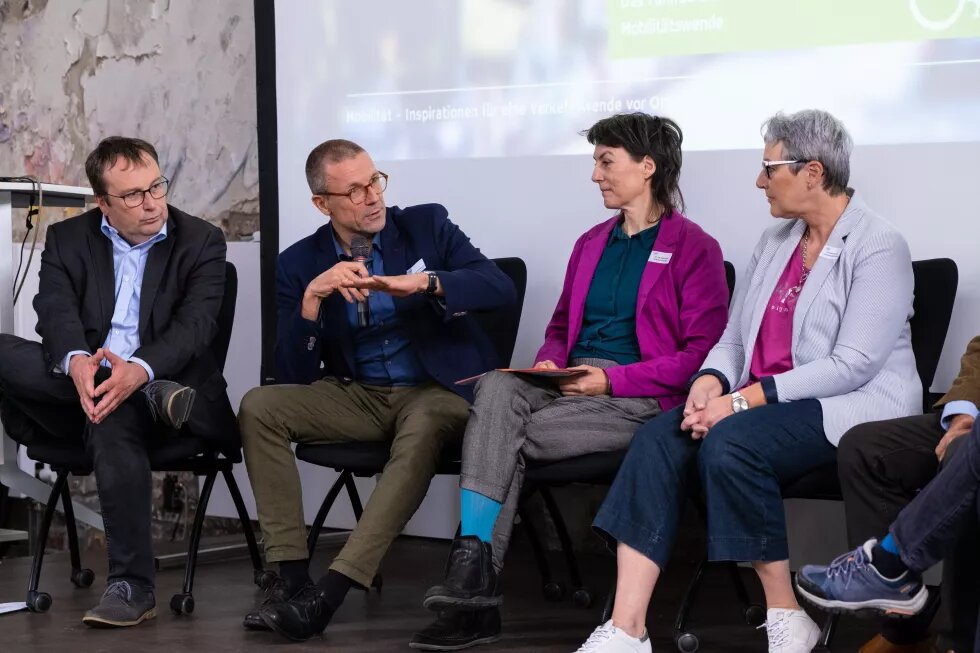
column 929, row 528
column 741, row 464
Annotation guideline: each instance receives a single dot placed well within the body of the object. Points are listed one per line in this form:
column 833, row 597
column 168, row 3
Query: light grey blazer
column 852, row 345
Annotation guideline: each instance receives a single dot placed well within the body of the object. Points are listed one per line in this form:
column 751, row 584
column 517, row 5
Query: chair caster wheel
column 38, row 601
column 686, row 642
column 182, row 603
column 82, row 577
column 582, row 598
column 264, row 578
column 754, row 615
column 554, row 591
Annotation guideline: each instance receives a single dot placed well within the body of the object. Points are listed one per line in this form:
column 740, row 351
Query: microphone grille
column 360, row 247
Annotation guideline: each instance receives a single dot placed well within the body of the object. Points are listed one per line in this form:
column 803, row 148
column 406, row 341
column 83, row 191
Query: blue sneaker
column 852, row 584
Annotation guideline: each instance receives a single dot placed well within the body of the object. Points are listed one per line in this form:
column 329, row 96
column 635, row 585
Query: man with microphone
column 372, row 332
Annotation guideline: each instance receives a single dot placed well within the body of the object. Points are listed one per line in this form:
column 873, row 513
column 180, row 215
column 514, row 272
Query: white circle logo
column 933, row 24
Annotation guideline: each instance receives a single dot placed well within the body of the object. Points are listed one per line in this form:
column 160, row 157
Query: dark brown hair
column 105, row 154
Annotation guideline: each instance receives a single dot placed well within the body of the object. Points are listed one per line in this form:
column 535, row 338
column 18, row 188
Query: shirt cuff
column 64, row 363
column 768, row 384
column 959, row 407
column 726, row 385
column 142, row 363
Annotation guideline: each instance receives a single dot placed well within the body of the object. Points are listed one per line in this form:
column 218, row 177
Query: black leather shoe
column 455, row 630
column 301, row 617
column 278, row 592
column 471, row 580
column 170, row 402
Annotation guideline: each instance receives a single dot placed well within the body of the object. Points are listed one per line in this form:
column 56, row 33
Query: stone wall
column 179, row 74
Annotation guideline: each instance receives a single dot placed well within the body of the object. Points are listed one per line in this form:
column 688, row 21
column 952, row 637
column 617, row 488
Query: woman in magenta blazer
column 645, row 299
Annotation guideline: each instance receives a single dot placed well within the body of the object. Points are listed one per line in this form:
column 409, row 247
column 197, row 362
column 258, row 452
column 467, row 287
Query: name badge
column 830, row 252
column 418, row 267
column 660, row 257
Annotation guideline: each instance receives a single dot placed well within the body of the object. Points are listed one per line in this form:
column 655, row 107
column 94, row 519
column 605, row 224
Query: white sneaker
column 609, row 639
column 790, row 631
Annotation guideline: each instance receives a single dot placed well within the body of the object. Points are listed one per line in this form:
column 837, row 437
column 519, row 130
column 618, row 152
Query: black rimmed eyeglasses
column 135, row 198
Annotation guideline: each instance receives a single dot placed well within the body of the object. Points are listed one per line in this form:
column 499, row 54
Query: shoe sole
column 893, row 609
column 179, row 406
column 454, row 647
column 436, row 603
column 274, row 627
column 99, row 622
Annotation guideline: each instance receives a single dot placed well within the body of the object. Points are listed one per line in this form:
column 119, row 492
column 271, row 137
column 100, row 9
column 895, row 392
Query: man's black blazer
column 181, row 294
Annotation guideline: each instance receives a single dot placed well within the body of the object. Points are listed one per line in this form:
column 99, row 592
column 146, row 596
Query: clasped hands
column 705, row 406
column 99, row 401
column 352, row 280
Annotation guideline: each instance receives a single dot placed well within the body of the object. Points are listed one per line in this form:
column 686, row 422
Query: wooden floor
column 368, row 623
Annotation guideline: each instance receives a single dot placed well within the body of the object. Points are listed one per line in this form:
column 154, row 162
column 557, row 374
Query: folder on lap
column 561, row 373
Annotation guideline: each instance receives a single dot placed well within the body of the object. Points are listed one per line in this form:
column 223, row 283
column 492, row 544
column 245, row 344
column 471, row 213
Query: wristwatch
column 433, row 284
column 739, row 403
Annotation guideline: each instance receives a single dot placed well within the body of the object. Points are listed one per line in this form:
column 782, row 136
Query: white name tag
column 830, row 252
column 660, row 257
column 418, row 267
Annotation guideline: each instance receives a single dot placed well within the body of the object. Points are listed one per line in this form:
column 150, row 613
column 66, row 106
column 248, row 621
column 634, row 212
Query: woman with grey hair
column 817, row 341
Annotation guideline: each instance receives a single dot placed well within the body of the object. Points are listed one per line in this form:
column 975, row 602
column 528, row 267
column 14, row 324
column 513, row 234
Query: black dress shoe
column 304, row 615
column 454, row 630
column 278, row 592
column 170, row 402
column 471, row 580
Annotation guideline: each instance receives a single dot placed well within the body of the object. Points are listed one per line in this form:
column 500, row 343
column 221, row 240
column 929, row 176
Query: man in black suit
column 128, row 300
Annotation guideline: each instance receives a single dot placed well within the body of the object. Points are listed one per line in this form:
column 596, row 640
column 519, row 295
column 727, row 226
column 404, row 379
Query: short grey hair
column 332, row 151
column 814, row 135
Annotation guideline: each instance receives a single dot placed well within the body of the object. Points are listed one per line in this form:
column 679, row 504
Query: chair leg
column 582, row 597
column 79, row 577
column 553, row 591
column 355, row 498
column 690, row 594
column 827, row 632
column 41, row 601
column 753, row 613
column 607, row 609
column 261, row 578
column 183, row 603
column 321, row 515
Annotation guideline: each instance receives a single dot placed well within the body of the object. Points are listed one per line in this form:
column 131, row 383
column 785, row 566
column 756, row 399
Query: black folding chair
column 181, row 453
column 366, row 459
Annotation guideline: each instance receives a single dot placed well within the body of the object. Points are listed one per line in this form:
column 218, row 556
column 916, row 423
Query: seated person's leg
column 118, row 447
column 882, row 465
column 743, row 463
column 33, row 401
column 271, row 418
column 960, row 590
column 640, row 517
column 873, row 576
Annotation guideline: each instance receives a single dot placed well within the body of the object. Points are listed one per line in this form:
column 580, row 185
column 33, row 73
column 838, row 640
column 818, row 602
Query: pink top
column 773, row 347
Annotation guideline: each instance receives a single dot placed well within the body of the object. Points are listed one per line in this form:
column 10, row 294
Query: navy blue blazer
column 448, row 341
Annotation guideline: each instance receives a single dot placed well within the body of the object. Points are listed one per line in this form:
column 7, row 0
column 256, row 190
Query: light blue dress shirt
column 128, row 264
column 960, row 407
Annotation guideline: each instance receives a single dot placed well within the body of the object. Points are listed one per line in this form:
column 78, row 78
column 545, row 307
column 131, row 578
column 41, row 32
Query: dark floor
column 224, row 593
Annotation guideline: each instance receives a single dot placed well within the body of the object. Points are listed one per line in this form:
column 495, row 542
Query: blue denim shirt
column 128, row 264
column 383, row 354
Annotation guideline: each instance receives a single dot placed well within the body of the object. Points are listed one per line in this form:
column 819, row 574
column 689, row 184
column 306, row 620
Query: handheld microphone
column 360, row 252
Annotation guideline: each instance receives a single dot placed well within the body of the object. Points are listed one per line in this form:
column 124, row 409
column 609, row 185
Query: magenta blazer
column 681, row 309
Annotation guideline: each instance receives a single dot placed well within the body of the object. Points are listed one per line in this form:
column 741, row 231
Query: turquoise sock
column 478, row 514
column 888, row 544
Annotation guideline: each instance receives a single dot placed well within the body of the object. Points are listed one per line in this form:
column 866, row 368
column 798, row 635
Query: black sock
column 334, row 587
column 296, row 573
column 888, row 564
